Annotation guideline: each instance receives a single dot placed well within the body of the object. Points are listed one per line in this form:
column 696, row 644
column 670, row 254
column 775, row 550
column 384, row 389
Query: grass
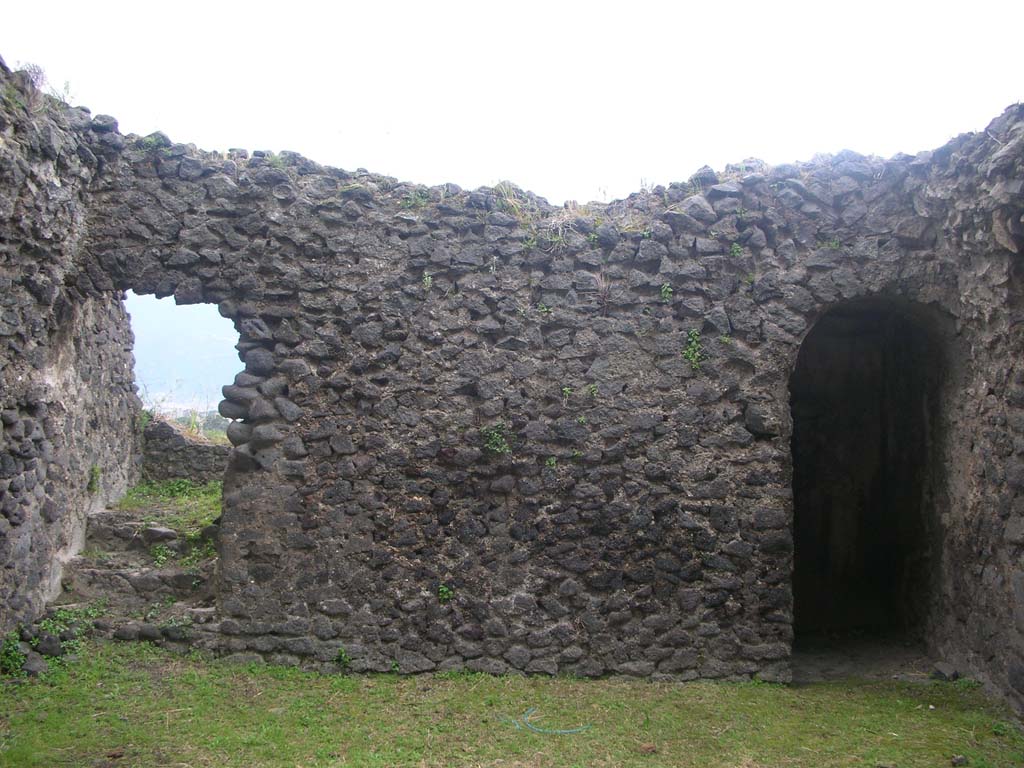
column 217, row 436
column 135, row 705
column 181, row 505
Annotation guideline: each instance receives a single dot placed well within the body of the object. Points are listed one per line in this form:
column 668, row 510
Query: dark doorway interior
column 864, row 397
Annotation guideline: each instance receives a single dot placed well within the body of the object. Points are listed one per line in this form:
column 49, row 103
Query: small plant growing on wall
column 415, row 199
column 149, row 143
column 666, row 293
column 566, row 394
column 342, row 659
column 694, row 352
column 95, row 473
column 496, row 440
column 445, row 594
column 512, row 201
column 143, row 418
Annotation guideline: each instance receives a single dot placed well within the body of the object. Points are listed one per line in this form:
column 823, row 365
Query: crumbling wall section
column 67, row 401
column 170, row 453
column 573, row 420
column 476, row 430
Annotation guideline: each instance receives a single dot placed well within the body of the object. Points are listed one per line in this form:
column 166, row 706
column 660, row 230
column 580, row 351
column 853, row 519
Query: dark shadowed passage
column 865, row 400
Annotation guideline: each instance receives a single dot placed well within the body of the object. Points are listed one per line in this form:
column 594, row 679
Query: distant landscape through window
column 183, row 354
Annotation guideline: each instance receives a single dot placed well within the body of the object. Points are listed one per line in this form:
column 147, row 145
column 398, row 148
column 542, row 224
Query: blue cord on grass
column 524, row 722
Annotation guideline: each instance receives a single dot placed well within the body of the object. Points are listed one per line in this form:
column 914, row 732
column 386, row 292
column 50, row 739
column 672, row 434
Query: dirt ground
column 822, row 658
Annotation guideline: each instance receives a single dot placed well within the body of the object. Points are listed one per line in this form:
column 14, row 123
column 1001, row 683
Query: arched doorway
column 865, row 401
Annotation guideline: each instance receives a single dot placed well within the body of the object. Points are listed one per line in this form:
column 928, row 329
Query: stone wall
column 170, row 453
column 476, row 430
column 67, row 398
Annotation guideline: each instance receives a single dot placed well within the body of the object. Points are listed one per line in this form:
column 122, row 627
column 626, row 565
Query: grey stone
column 728, row 189
column 155, row 534
column 264, row 435
column 34, row 664
column 342, row 443
column 945, row 671
column 238, row 432
column 759, row 421
column 259, row 361
column 518, row 656
column 128, row 632
column 232, row 410
column 104, row 124
column 49, row 645
column 412, row 662
column 698, row 207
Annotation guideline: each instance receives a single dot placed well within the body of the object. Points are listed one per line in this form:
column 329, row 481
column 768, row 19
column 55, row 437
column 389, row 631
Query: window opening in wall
column 184, row 354
column 866, row 475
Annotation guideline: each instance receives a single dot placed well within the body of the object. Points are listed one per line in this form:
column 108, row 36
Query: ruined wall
column 574, row 420
column 67, row 399
column 169, row 453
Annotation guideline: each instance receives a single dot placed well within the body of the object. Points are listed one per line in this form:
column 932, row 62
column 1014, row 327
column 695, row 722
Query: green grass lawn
column 185, row 506
column 135, row 705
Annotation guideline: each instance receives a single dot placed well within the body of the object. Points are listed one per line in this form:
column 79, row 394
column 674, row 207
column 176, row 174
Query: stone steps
column 132, row 567
column 88, row 580
column 115, row 530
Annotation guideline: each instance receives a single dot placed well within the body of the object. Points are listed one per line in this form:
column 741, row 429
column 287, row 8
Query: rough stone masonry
column 170, row 452
column 576, row 420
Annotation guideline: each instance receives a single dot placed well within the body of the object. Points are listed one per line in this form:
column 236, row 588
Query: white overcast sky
column 574, row 100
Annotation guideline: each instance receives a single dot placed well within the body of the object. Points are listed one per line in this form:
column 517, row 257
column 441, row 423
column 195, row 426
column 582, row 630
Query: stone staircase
column 148, row 582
